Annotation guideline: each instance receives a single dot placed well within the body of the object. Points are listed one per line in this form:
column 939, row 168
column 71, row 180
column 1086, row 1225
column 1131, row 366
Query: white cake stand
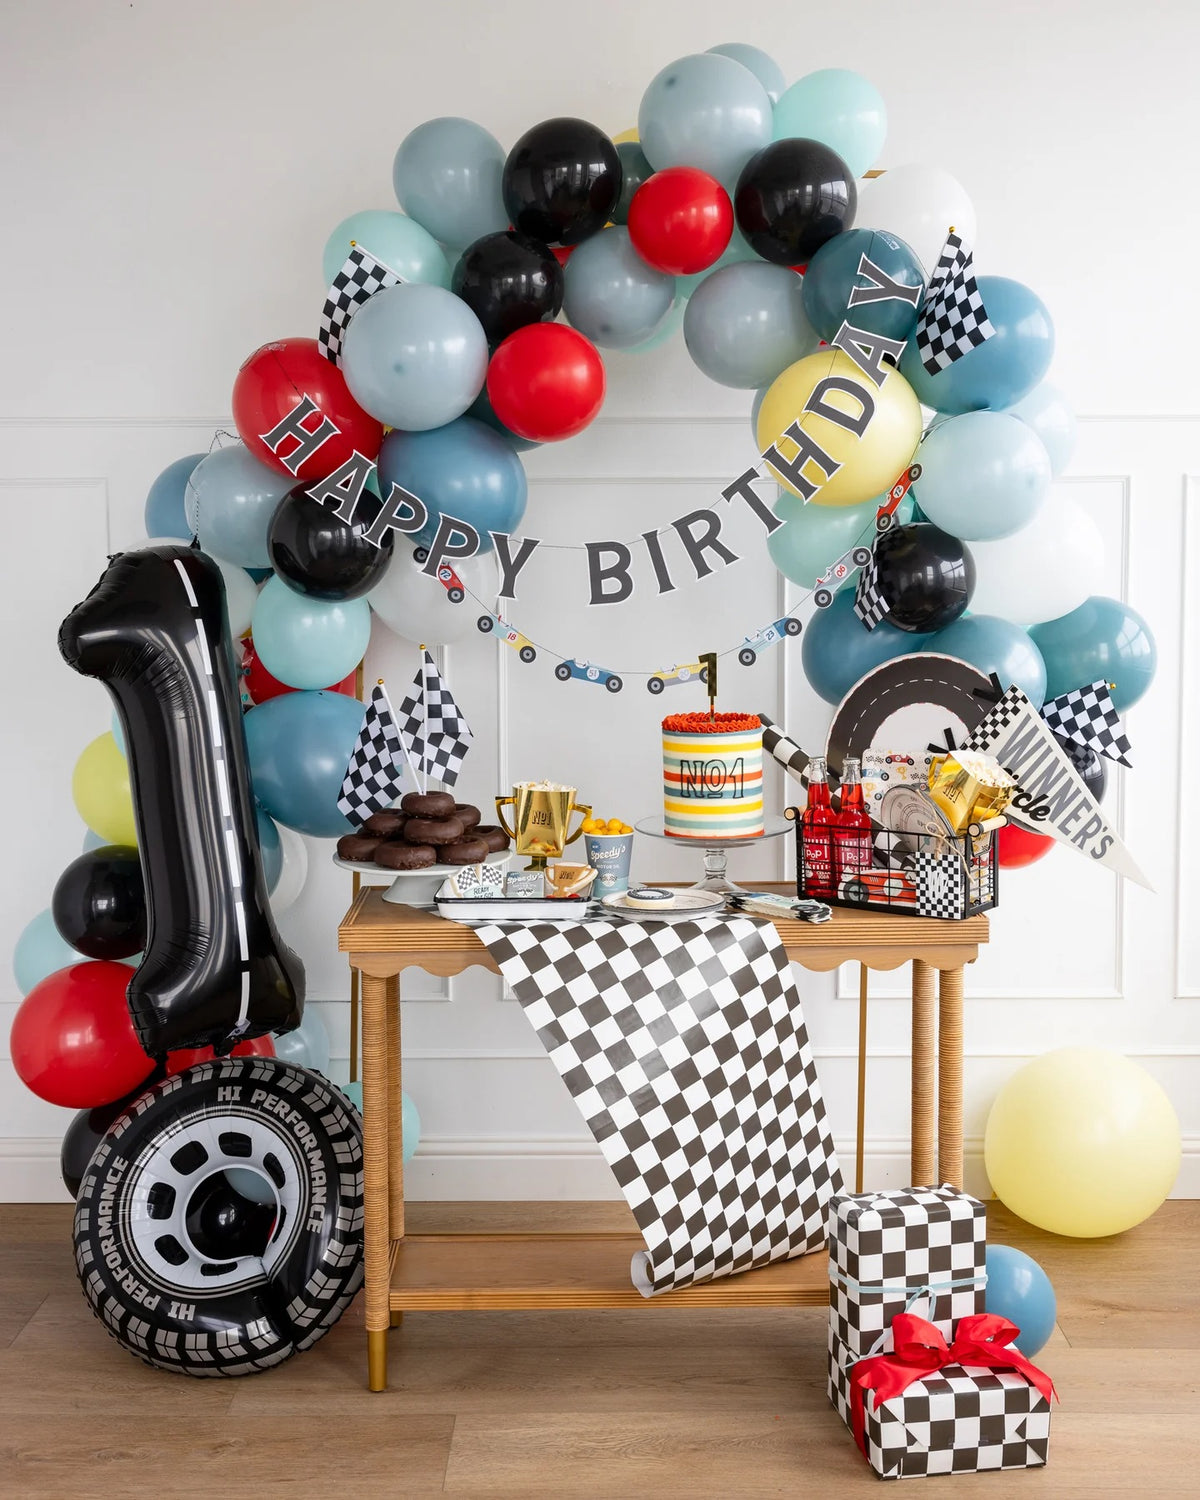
column 414, row 887
column 714, row 850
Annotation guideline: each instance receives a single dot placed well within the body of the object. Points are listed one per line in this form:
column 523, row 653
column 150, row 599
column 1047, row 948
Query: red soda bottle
column 817, row 830
column 852, row 828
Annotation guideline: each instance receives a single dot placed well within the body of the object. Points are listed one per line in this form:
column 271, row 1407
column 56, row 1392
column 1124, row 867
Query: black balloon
column 99, row 904
column 155, row 631
column 316, row 553
column 508, row 280
column 924, row 575
column 791, row 197
column 635, row 170
column 561, row 181
column 88, row 1129
column 1092, row 768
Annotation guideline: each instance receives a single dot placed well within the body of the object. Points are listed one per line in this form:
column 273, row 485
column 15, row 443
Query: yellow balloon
column 1082, row 1142
column 100, row 787
column 870, row 462
column 626, row 135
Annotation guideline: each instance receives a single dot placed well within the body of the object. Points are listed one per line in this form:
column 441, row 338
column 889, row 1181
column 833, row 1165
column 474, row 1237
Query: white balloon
column 1045, row 570
column 1049, row 413
column 293, row 872
column 919, row 205
column 419, row 608
column 240, row 589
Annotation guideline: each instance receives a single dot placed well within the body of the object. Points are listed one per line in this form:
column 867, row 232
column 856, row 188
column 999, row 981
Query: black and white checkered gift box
column 953, row 319
column 941, row 884
column 684, row 1046
column 357, row 282
column 1088, row 717
column 869, row 604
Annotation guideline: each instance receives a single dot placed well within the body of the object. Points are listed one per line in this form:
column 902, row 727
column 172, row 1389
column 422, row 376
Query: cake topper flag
column 432, row 725
column 954, row 320
column 375, row 775
column 1088, row 717
column 357, row 282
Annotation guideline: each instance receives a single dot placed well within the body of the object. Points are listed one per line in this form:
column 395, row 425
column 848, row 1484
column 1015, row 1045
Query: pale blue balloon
column 995, row 645
column 463, row 470
column 395, row 239
column 166, row 513
column 410, row 1125
column 837, row 648
column 415, row 357
column 308, row 643
column 231, row 499
column 1019, row 1290
column 307, row 1046
column 737, row 251
column 843, row 110
column 1104, row 638
column 1049, row 413
column 814, row 536
column 764, row 67
column 704, row 111
column 665, row 331
column 271, row 846
column 299, row 746
column 118, row 733
column 611, row 295
column 447, row 176
column 984, row 475
column 746, row 324
column 41, row 951
column 92, row 841
column 760, row 396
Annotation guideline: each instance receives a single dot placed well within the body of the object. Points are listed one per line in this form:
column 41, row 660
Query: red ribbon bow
column 919, row 1349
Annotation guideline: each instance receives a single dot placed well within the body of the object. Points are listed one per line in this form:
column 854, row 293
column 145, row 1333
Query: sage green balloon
column 813, row 536
column 611, row 295
column 746, row 324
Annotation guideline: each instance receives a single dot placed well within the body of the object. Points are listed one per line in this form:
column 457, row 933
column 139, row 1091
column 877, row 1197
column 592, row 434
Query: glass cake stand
column 715, row 850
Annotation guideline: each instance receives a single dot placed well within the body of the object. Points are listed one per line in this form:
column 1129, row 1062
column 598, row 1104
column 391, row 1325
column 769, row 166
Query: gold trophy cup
column 541, row 816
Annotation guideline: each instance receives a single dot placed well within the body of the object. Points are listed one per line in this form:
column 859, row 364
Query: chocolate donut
column 405, row 856
column 358, row 847
column 466, row 852
column 433, row 831
column 467, row 814
column 386, row 825
column 493, row 835
column 428, row 804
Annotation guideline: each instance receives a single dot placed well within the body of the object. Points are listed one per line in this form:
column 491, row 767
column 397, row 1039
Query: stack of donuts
column 428, row 828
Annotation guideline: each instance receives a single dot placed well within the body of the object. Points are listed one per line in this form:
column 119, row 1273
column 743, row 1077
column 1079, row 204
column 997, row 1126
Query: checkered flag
column 1087, row 716
column 375, row 776
column 357, row 282
column 432, row 725
column 953, row 320
column 869, row 604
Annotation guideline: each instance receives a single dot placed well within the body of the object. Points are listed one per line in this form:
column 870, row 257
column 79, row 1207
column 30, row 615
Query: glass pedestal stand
column 715, row 850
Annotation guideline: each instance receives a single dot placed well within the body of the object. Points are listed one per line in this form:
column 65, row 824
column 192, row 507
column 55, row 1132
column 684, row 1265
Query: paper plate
column 689, row 904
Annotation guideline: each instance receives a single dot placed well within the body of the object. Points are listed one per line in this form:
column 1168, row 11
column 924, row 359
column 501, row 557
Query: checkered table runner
column 684, row 1046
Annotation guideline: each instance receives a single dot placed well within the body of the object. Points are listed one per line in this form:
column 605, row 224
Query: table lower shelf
column 509, row 1272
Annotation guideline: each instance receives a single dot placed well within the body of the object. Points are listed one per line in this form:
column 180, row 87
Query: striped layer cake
column 712, row 776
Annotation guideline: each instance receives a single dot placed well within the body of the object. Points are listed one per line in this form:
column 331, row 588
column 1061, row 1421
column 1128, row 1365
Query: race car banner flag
column 953, row 320
column 357, row 282
column 1089, row 718
column 869, row 604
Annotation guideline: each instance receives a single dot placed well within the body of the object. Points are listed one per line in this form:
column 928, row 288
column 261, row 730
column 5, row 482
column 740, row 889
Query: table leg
column 395, row 1123
column 950, row 1077
column 921, row 1165
column 376, row 1249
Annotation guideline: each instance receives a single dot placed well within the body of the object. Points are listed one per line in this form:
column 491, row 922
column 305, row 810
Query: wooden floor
column 654, row 1403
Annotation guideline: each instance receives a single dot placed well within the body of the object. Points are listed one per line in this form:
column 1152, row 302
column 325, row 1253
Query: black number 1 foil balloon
column 154, row 631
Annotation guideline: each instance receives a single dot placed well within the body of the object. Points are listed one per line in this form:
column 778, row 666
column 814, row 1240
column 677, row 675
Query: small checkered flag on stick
column 1087, row 717
column 375, row 775
column 432, row 726
column 953, row 320
column 869, row 604
column 357, row 282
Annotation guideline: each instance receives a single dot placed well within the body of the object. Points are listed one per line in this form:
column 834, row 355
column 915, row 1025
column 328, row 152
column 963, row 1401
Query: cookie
column 467, row 814
column 465, row 852
column 493, row 835
column 428, row 804
column 358, row 847
column 433, row 831
column 386, row 825
column 649, row 898
column 405, row 856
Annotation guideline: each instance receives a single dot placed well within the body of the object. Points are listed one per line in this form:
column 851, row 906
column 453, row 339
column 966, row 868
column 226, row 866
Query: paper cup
column 609, row 854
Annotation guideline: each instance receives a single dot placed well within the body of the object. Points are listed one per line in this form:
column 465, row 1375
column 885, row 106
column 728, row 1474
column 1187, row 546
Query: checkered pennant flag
column 357, row 282
column 432, row 725
column 1087, row 716
column 784, row 750
column 869, row 604
column 375, row 776
column 953, row 320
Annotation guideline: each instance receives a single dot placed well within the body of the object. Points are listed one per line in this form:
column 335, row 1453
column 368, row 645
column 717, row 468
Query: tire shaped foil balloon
column 218, row 1226
column 154, row 631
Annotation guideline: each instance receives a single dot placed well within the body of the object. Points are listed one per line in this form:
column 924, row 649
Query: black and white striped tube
column 789, row 755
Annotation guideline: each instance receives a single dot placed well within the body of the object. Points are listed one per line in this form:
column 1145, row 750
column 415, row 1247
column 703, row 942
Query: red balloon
column 1016, row 846
column 680, row 221
column 561, row 253
column 263, row 686
column 272, row 383
column 73, row 1041
column 546, row 382
column 188, row 1057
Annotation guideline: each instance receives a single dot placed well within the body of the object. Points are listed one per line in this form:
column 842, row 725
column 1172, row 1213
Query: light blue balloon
column 746, row 324
column 307, row 1046
column 704, row 111
column 843, row 110
column 231, row 498
column 463, row 470
column 415, row 357
column 984, row 475
column 813, row 536
column 765, row 68
column 1019, row 1290
column 665, row 331
column 447, row 176
column 999, row 372
column 410, row 1125
column 1103, row 638
column 299, row 746
column 308, row 643
column 1049, row 413
column 165, row 513
column 611, row 295
column 833, row 275
column 995, row 645
column 41, row 951
column 737, row 251
column 837, row 648
column 271, row 846
column 760, row 396
column 395, row 239
column 92, row 841
column 118, row 732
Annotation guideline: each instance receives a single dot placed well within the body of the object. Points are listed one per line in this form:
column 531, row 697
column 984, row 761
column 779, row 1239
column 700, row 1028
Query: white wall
column 170, row 173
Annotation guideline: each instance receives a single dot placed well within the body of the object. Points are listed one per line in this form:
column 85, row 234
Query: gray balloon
column 761, row 64
column 447, row 177
column 611, row 294
column 415, row 356
column 229, row 501
column 745, row 324
column 705, row 111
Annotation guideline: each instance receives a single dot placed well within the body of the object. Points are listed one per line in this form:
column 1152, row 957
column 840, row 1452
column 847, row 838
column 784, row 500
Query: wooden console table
column 591, row 1270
